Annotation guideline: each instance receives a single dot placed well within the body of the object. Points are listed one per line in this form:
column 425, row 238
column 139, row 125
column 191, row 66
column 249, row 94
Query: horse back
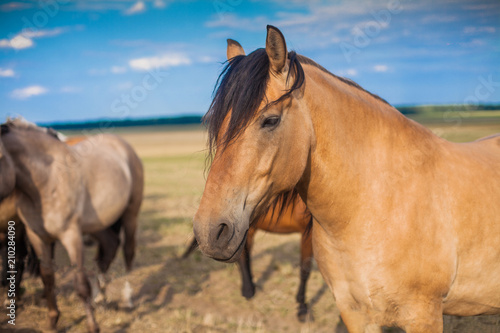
column 113, row 177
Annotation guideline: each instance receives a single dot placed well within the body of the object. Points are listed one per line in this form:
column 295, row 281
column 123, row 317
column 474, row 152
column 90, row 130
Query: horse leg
column 108, row 242
column 192, row 246
column 73, row 243
column 129, row 224
column 306, row 256
column 44, row 253
column 247, row 285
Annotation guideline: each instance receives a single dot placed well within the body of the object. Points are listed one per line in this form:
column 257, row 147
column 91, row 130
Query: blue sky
column 66, row 60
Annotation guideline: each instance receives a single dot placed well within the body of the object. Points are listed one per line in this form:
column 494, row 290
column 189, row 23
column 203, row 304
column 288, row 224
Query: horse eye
column 272, row 121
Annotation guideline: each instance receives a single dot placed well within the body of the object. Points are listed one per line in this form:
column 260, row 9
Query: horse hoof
column 92, row 325
column 100, row 299
column 129, row 305
column 248, row 293
column 53, row 319
column 303, row 314
column 127, row 296
column 49, row 330
column 94, row 329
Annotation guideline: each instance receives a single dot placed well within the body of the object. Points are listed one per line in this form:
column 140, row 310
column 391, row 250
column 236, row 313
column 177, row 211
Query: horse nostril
column 223, row 231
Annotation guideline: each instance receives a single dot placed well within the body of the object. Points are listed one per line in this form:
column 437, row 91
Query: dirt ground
column 197, row 294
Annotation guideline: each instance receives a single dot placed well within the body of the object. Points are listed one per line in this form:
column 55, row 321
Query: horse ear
column 276, row 49
column 234, row 49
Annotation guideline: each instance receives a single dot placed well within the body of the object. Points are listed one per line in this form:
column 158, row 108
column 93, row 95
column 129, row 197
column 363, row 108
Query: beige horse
column 65, row 191
column 108, row 240
column 407, row 225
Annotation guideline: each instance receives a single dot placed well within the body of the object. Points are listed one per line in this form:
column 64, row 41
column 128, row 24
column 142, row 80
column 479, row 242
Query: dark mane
column 282, row 202
column 241, row 87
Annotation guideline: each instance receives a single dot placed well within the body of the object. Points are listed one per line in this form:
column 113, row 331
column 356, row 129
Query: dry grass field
column 199, row 294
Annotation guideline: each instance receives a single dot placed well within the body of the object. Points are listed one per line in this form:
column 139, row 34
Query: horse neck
column 38, row 158
column 357, row 139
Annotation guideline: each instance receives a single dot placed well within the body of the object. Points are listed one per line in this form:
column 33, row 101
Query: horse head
column 259, row 138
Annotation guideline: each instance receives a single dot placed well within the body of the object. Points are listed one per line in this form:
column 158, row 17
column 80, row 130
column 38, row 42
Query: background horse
column 66, row 191
column 108, row 239
column 287, row 216
column 406, row 224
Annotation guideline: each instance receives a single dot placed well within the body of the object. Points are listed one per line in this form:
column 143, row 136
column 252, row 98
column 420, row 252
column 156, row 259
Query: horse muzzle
column 222, row 241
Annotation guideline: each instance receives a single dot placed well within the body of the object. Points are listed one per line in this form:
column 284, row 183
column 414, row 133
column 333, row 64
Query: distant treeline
column 442, row 108
column 187, row 120
column 106, row 124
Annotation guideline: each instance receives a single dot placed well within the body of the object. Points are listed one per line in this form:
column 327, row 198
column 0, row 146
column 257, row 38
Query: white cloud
column 28, row 92
column 473, row 43
column 380, row 68
column 123, row 6
column 475, row 30
column 136, row 8
column 348, row 72
column 433, row 18
column 118, row 70
column 29, row 33
column 19, row 42
column 6, row 72
column 323, row 15
column 24, row 39
column 159, row 4
column 164, row 61
column 12, row 6
column 208, row 59
column 352, row 72
column 321, row 24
